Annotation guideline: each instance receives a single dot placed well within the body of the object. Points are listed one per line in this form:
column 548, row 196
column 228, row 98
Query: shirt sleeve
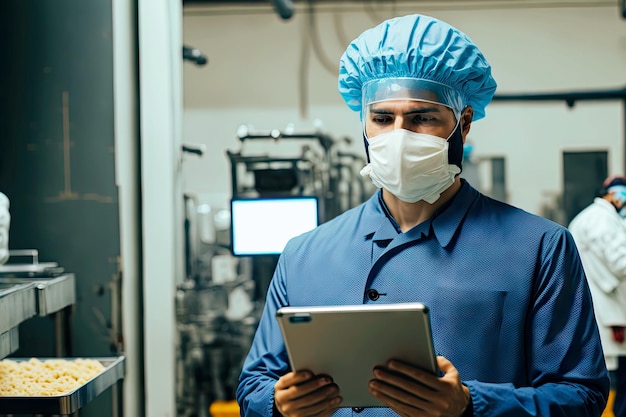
column 567, row 376
column 267, row 359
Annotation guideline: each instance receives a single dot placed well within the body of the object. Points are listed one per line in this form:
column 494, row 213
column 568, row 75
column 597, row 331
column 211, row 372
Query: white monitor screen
column 263, row 226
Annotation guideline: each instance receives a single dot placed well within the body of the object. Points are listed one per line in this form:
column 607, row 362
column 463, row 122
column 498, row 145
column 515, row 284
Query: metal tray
column 9, row 342
column 17, row 303
column 71, row 402
column 26, row 268
column 52, row 294
column 33, row 269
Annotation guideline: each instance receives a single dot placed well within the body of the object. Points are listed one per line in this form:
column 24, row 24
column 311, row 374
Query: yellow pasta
column 50, row 377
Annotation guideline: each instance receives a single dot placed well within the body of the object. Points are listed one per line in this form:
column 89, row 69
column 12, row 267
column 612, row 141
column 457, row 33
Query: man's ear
column 466, row 121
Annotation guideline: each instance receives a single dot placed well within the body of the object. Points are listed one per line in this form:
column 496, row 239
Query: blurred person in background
column 600, row 234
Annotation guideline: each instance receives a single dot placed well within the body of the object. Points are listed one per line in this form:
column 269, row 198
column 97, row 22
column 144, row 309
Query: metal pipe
column 570, row 98
column 59, row 335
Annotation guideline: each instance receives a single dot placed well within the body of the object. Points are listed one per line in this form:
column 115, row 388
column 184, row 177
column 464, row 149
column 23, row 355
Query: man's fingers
column 310, row 406
column 292, row 378
column 304, row 394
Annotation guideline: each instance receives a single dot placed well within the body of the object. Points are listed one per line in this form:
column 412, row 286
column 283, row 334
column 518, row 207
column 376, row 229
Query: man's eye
column 381, row 119
column 424, row 119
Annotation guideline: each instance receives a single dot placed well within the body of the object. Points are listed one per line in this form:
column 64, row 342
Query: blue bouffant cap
column 416, row 57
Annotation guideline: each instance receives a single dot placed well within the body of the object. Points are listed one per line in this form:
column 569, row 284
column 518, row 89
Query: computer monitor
column 262, row 226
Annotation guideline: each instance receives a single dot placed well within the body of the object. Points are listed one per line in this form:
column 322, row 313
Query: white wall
column 258, row 66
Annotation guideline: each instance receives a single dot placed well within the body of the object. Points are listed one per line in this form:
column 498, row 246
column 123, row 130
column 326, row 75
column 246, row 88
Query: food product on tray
column 48, row 377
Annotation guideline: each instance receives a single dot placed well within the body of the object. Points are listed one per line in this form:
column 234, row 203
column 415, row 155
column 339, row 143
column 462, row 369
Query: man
column 512, row 317
column 600, row 234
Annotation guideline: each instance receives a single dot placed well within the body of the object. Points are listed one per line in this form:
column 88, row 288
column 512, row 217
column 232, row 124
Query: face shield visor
column 386, row 89
column 402, row 88
column 619, row 194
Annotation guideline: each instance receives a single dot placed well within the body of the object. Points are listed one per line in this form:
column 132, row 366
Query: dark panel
column 57, row 161
column 583, row 174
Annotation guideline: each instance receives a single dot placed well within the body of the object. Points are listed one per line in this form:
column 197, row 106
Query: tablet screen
column 347, row 342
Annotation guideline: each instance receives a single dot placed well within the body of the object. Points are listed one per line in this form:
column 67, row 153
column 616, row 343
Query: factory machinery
column 219, row 303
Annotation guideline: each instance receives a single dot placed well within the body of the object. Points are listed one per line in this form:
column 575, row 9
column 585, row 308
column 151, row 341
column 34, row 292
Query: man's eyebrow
column 420, row 110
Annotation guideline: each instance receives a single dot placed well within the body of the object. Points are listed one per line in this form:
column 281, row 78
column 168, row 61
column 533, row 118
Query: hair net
column 613, row 181
column 416, row 57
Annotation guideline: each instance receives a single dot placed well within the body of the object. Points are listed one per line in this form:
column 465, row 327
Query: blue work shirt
column 509, row 302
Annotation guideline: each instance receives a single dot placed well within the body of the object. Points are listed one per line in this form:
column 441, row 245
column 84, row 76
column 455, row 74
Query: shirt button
column 373, row 295
column 357, row 409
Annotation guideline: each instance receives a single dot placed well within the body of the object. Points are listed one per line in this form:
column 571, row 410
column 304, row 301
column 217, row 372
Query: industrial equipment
column 215, row 313
column 219, row 302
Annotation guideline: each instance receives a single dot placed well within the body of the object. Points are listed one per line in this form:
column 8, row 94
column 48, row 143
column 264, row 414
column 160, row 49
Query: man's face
column 416, row 116
column 618, row 199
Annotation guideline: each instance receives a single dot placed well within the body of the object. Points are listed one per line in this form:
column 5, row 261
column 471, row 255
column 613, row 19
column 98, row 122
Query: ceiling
column 251, row 1
column 501, row 2
column 218, row 2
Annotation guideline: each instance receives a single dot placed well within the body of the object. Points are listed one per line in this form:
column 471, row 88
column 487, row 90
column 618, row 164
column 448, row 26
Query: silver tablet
column 347, row 342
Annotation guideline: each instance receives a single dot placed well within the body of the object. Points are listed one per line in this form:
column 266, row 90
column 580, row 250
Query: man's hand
column 410, row 391
column 618, row 333
column 302, row 394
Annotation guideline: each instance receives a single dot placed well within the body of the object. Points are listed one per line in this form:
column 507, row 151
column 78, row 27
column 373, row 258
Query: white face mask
column 412, row 166
column 619, row 193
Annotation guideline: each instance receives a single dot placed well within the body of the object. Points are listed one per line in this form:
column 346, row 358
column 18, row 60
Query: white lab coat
column 600, row 235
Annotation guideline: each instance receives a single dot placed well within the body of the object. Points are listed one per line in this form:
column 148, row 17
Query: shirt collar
column 393, row 222
column 606, row 204
column 379, row 225
column 449, row 221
